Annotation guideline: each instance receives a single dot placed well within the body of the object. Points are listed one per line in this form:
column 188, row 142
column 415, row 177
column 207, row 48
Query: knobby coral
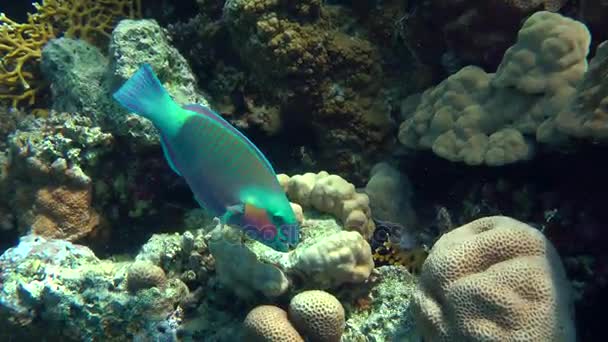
column 481, row 118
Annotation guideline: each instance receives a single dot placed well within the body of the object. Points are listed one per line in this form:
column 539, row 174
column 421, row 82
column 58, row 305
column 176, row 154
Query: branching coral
column 87, row 19
column 20, row 52
column 21, row 43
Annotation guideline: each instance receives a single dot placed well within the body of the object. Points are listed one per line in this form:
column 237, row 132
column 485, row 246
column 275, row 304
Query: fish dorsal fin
column 202, row 110
column 167, row 153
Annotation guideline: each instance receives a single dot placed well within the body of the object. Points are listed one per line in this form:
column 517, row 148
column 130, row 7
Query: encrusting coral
column 21, row 43
column 48, row 186
column 322, row 79
column 495, row 279
column 57, row 290
column 66, row 213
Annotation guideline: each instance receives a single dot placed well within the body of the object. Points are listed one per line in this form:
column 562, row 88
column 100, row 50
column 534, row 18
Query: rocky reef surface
column 445, row 167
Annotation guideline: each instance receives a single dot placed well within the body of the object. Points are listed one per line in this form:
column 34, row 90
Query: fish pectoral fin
column 232, row 211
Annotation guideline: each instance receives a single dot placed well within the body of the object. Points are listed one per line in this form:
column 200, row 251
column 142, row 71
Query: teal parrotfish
column 228, row 174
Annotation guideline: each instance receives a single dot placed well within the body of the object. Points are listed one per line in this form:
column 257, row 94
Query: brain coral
column 267, row 323
column 494, row 279
column 144, row 275
column 318, row 315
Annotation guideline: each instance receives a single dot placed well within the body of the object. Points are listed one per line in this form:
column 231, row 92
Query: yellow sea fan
column 20, row 51
column 21, row 43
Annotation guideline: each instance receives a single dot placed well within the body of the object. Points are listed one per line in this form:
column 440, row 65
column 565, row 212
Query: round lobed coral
column 144, row 275
column 267, row 323
column 344, row 257
column 494, row 279
column 318, row 315
column 334, row 195
column 480, row 118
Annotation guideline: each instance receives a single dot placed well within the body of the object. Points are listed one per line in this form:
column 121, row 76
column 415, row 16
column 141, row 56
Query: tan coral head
column 494, row 279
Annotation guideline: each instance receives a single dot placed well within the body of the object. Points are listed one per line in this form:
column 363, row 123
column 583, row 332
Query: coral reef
column 481, row 118
column 185, row 256
column 82, row 298
column 132, row 43
column 386, row 313
column 326, row 258
column 310, row 69
column 498, row 269
column 316, row 85
column 46, row 181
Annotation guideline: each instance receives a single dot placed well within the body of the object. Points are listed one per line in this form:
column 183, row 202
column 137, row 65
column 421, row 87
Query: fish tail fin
column 145, row 95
